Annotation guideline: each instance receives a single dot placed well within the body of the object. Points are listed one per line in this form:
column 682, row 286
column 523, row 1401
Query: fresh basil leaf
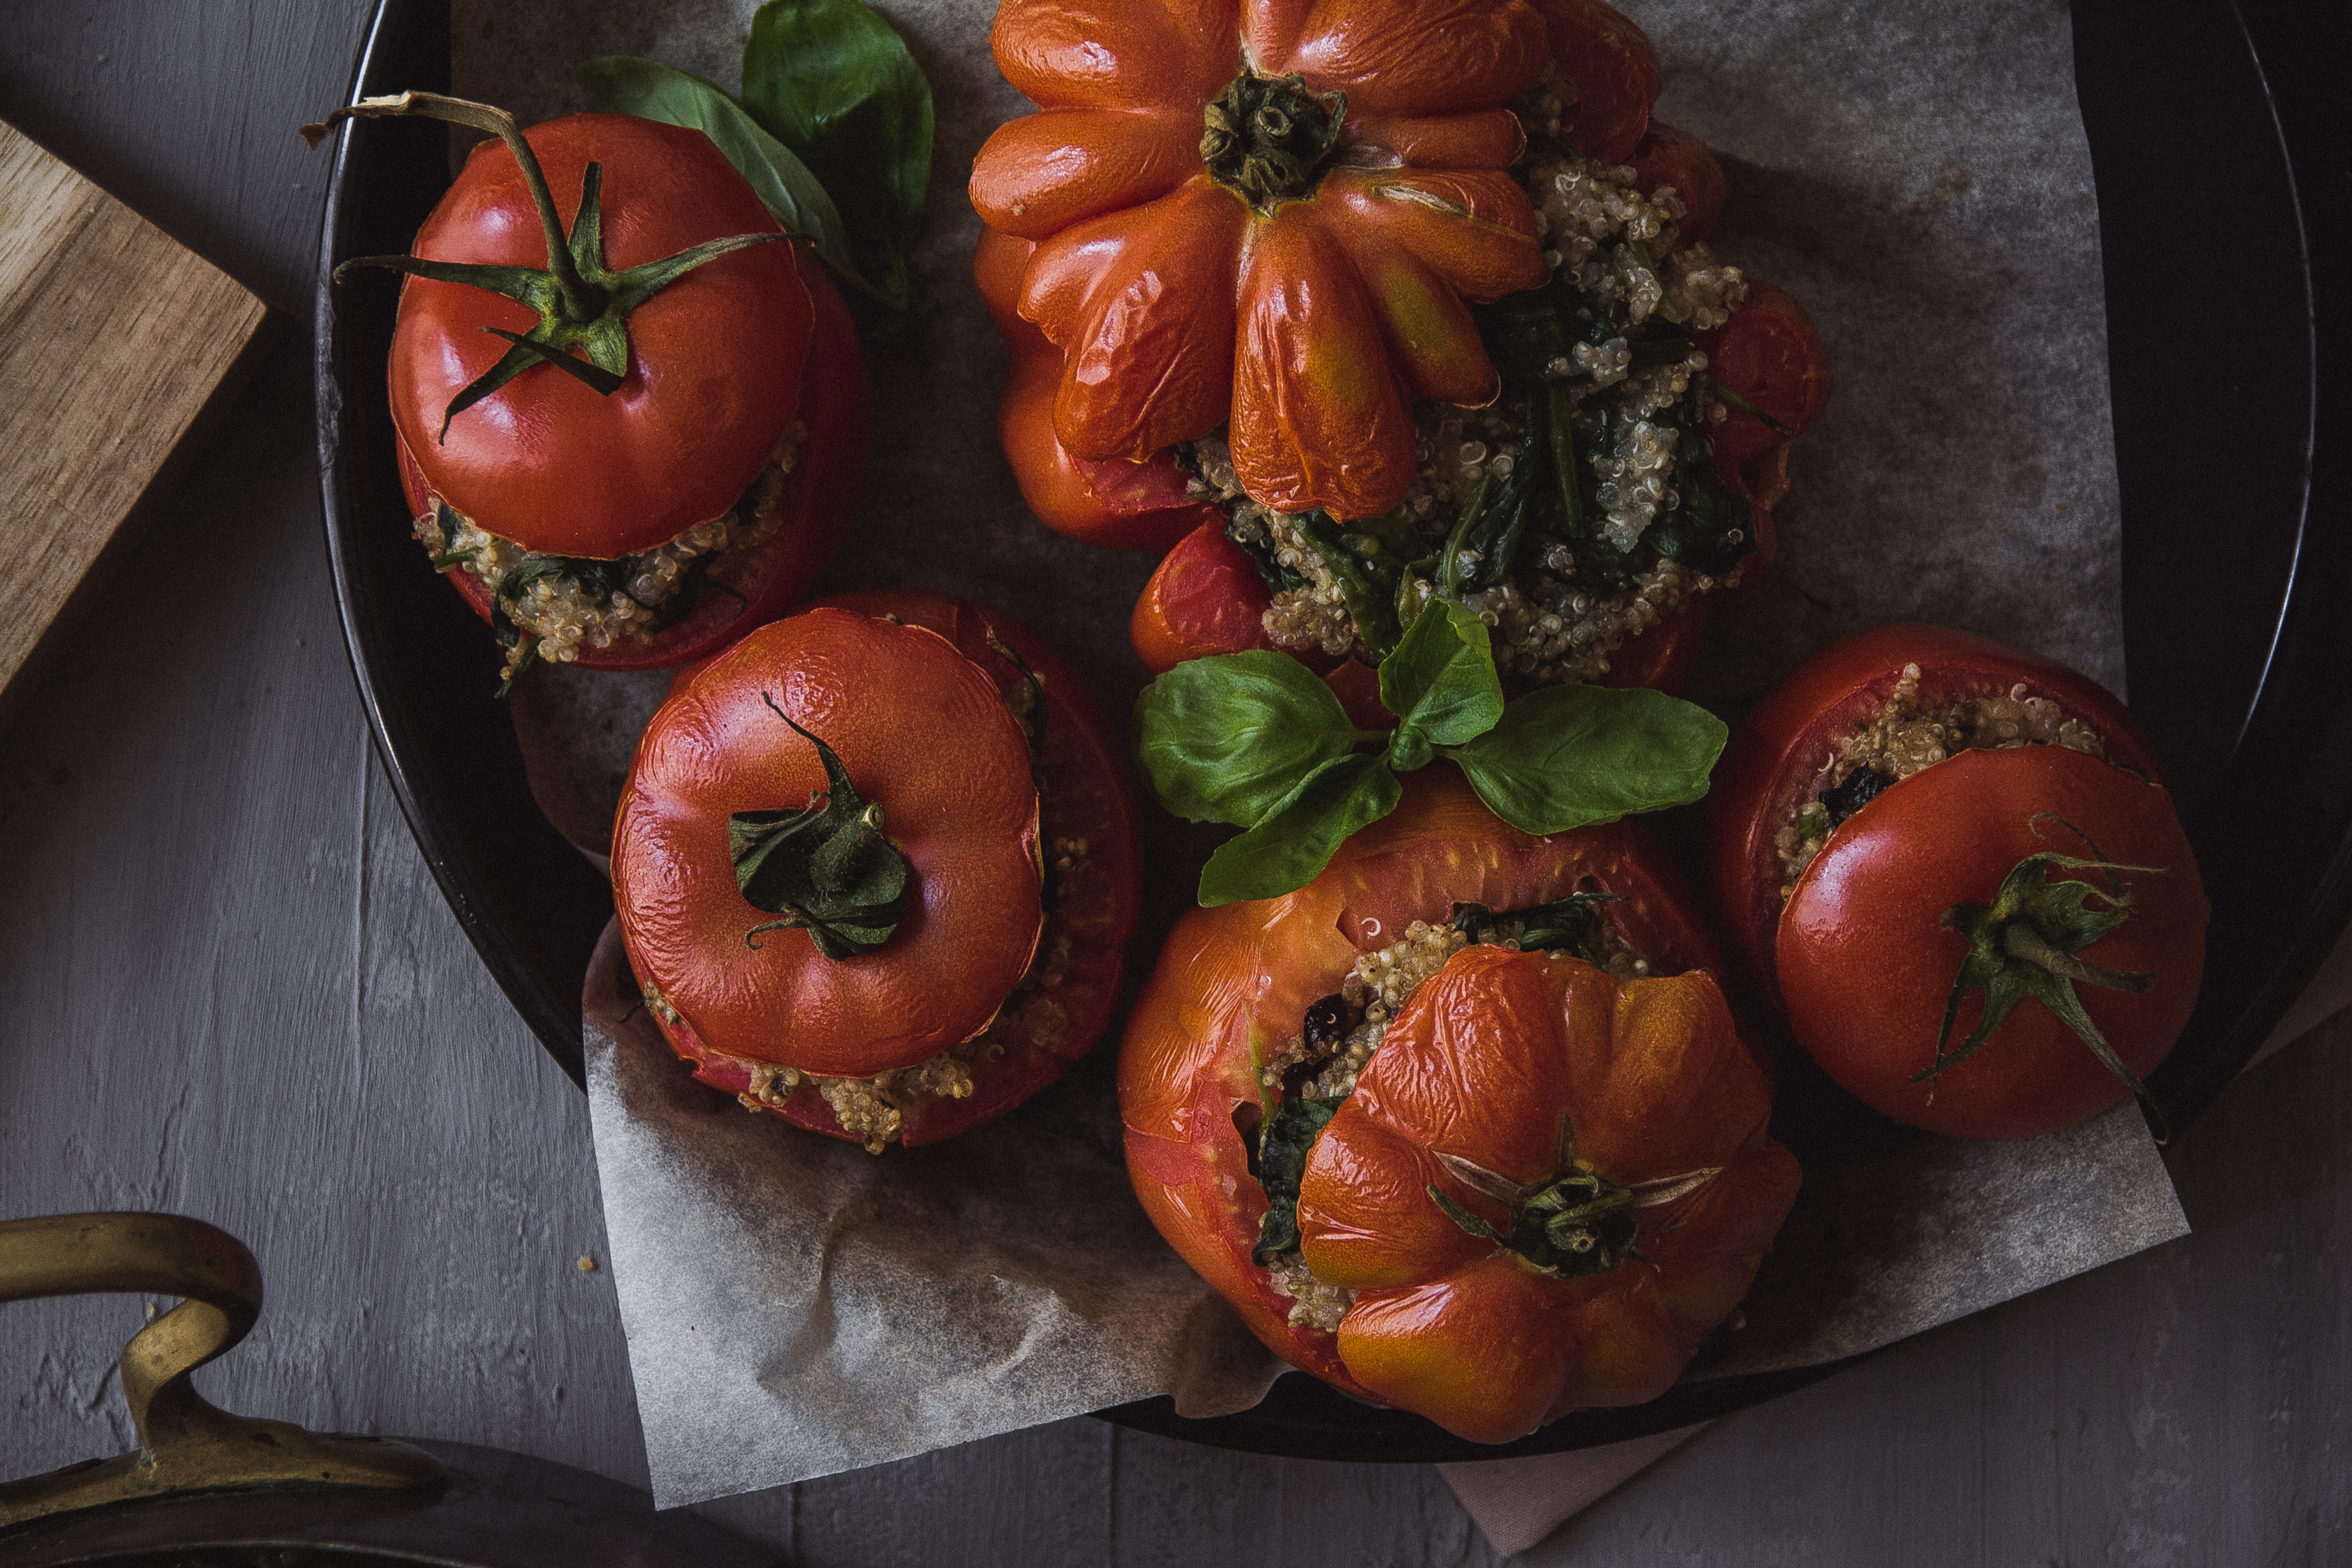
column 1229, row 738
column 623, row 84
column 1569, row 756
column 832, row 81
column 1441, row 680
column 1287, row 850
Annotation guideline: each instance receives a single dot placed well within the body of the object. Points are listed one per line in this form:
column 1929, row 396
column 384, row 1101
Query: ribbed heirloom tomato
column 1544, row 1185
column 1919, row 824
column 1245, row 251
column 672, row 455
column 969, row 749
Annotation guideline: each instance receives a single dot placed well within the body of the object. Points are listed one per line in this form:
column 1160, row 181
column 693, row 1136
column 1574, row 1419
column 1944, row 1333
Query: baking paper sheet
column 1918, row 177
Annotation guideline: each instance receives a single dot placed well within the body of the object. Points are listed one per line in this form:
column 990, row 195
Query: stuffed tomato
column 1954, row 865
column 630, row 414
column 1420, row 302
column 1463, row 1126
column 937, row 932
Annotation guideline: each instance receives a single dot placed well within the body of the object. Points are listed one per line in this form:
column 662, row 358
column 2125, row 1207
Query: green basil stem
column 1563, row 460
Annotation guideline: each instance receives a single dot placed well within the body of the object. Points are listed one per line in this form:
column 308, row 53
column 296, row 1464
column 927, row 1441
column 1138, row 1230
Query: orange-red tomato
column 1857, row 954
column 1118, row 505
column 722, row 362
column 1306, row 292
column 917, row 707
column 1491, row 1062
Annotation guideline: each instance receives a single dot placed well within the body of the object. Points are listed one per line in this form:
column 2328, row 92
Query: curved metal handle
column 185, row 1443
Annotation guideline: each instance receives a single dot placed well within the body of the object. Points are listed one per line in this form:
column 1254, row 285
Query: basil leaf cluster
column 1258, row 740
column 834, row 131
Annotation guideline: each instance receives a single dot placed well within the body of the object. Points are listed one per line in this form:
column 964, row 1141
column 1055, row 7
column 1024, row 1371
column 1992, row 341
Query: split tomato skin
column 1089, row 793
column 1769, row 354
column 1856, row 960
column 1233, row 983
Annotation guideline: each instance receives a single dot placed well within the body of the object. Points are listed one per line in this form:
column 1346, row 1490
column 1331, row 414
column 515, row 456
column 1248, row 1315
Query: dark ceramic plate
column 2237, row 561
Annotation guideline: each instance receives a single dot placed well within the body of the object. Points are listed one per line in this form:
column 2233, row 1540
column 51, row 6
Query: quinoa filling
column 551, row 606
column 1577, row 511
column 1906, row 735
column 1312, row 1075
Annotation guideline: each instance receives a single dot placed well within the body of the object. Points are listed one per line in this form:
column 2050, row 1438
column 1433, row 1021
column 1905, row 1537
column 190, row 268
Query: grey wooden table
column 228, row 988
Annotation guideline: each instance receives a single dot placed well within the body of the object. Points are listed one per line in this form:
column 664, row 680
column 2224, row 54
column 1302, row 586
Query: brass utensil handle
column 185, row 1443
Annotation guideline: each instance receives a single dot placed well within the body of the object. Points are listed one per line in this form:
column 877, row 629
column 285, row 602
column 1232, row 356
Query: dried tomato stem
column 582, row 301
column 1267, row 139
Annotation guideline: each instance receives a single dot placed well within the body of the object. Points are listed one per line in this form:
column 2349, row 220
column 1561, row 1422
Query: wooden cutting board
column 113, row 337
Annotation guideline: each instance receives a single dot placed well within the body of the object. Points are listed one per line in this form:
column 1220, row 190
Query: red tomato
column 722, row 361
column 1857, row 954
column 939, row 749
column 1666, row 157
column 1234, row 983
column 1612, row 70
column 1768, row 353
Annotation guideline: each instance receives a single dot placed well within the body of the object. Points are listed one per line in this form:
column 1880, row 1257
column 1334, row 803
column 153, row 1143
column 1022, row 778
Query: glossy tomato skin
column 758, row 583
column 1866, row 971
column 1509, row 1062
column 1089, row 794
column 926, row 736
column 1769, row 353
column 1308, row 321
column 715, row 359
column 1613, row 68
column 1233, row 983
column 1118, row 505
column 1914, row 841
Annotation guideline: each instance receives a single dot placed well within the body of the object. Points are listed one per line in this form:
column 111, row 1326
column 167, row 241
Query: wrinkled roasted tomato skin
column 819, row 495
column 1118, row 505
column 1769, row 353
column 1859, row 940
column 1667, row 156
column 1346, row 298
column 1487, row 1062
column 1089, row 793
column 925, row 735
column 1232, row 983
column 1613, row 69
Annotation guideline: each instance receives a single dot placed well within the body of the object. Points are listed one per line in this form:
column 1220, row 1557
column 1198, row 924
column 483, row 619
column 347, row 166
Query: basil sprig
column 1257, row 740
column 834, row 131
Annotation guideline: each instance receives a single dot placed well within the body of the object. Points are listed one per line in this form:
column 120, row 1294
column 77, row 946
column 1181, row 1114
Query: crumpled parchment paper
column 1916, row 176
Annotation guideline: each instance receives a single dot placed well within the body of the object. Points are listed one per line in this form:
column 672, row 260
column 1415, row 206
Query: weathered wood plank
column 112, row 340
